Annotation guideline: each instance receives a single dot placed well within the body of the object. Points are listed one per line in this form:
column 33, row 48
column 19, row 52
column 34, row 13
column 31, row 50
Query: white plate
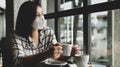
column 56, row 63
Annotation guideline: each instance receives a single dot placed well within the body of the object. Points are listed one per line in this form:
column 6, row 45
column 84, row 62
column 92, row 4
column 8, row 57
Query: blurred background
column 94, row 25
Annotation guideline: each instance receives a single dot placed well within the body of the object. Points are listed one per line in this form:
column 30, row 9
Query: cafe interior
column 93, row 25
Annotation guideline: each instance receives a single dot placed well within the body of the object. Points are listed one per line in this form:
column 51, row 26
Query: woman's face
column 39, row 22
column 39, row 12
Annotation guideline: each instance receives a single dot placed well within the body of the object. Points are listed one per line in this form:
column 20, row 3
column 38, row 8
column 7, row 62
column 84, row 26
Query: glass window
column 104, row 37
column 51, row 23
column 48, row 6
column 116, row 35
column 101, row 53
column 2, row 25
column 70, row 4
column 2, row 4
column 98, row 1
column 71, row 30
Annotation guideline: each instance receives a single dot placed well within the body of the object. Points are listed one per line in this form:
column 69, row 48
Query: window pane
column 48, row 6
column 116, row 35
column 70, row 4
column 2, row 4
column 101, row 50
column 72, row 30
column 51, row 23
column 98, row 1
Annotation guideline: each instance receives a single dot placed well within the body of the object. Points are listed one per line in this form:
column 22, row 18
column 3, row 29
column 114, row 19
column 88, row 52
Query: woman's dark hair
column 25, row 18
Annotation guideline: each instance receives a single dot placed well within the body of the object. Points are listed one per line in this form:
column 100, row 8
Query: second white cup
column 67, row 48
column 82, row 60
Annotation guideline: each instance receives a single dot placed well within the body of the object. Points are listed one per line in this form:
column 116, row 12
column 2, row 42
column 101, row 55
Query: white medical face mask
column 39, row 23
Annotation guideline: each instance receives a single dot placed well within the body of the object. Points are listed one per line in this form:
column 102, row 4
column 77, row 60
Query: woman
column 33, row 41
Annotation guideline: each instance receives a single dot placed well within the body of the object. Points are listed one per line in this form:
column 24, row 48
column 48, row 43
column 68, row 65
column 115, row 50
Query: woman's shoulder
column 48, row 30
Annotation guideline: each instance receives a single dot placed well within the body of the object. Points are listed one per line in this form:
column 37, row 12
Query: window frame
column 106, row 6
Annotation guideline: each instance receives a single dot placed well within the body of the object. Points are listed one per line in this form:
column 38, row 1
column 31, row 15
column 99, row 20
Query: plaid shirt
column 25, row 47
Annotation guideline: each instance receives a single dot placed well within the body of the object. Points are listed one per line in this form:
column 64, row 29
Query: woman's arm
column 31, row 60
column 34, row 59
column 21, row 60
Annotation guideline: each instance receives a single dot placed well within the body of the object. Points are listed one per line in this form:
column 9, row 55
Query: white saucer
column 56, row 63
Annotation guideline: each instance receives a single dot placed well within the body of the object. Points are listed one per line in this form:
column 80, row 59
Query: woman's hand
column 56, row 51
column 75, row 50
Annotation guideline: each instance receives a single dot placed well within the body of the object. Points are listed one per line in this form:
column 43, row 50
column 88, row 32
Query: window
column 71, row 24
column 100, row 50
column 70, row 4
column 2, row 25
column 50, row 23
column 116, row 37
column 98, row 1
column 48, row 6
column 87, row 9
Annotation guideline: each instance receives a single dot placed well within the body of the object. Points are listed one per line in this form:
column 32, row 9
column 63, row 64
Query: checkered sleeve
column 18, row 53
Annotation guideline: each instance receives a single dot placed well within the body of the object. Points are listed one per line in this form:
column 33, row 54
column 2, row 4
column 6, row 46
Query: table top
column 67, row 64
column 46, row 65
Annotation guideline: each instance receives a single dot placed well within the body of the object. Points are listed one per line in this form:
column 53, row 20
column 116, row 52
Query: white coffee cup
column 82, row 61
column 67, row 48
